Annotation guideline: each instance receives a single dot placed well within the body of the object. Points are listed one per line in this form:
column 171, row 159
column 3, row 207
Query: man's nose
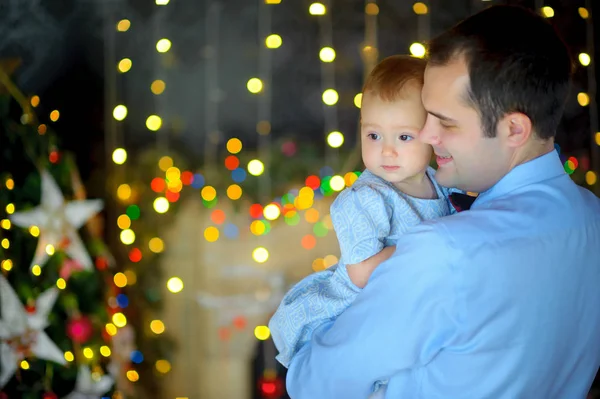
column 428, row 135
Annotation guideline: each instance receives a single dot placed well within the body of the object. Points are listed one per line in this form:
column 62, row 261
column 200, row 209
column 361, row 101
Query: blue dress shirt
column 500, row 302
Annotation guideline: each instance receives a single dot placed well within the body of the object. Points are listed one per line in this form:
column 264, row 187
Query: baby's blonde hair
column 394, row 75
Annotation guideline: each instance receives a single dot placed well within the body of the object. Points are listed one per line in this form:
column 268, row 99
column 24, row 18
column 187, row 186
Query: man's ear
column 515, row 129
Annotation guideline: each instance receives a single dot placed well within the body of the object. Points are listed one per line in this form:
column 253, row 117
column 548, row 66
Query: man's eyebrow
column 442, row 117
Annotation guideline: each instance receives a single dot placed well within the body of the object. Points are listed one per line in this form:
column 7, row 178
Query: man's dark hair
column 516, row 63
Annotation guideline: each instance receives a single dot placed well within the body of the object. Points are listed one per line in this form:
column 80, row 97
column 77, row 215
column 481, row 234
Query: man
column 501, row 301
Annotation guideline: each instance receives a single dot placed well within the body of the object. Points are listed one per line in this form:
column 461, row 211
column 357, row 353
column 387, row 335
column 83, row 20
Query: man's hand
column 360, row 273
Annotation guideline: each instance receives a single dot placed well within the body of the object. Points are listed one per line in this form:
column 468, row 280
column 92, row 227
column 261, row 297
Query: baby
column 395, row 192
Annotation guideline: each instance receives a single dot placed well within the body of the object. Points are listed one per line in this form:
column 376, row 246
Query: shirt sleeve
column 401, row 320
column 315, row 300
column 361, row 220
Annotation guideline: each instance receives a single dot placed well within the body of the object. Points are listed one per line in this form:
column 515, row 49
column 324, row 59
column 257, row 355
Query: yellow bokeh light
column 105, row 351
column 120, row 112
column 133, row 375
column 211, row 234
column 34, row 231
column 54, row 115
column 272, row 1
column 358, row 100
column 156, row 245
column 120, row 280
column 256, row 167
column 337, row 183
column 163, row 45
column 61, row 283
column 157, row 327
column 88, row 353
column 127, row 237
column 36, row 270
column 583, row 99
column 131, row 276
column 312, row 215
column 5, row 243
column 257, row 227
column 158, row 87
column 317, row 9
column 7, row 264
column 547, row 12
column 69, row 357
column 329, row 261
column 119, row 156
column 260, row 255
column 50, row 249
column 111, row 329
column 350, row 178
column 330, row 97
column 175, row 285
column 254, row 85
column 10, row 183
column 165, row 163
column 124, row 222
column 598, row 138
column 417, row 50
column 163, row 366
column 271, row 212
column 35, row 101
column 234, row 192
column 234, row 145
column 208, row 193
column 306, row 192
column 585, row 59
column 173, row 173
column 24, row 364
column 153, row 123
column 5, row 223
column 124, row 65
column 273, row 41
column 420, row 8
column 162, row 2
column 10, row 209
column 591, row 178
column 371, row 9
column 119, row 320
column 318, row 265
column 327, row 54
column 161, row 205
column 262, row 333
column 335, row 139
column 123, row 25
column 584, row 13
column 124, row 192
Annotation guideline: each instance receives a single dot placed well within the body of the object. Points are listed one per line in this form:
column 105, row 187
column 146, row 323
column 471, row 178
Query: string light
column 163, row 45
column 420, row 8
column 330, row 97
column 54, row 115
column 262, row 333
column 123, row 25
column 158, row 87
column 273, row 41
column 317, row 9
column 335, row 139
column 358, row 100
column 175, row 285
column 153, row 122
column 69, row 356
column 260, row 255
column 254, row 85
column 162, row 2
column 120, row 112
column 417, row 50
column 256, row 167
column 35, row 101
column 547, row 12
column 119, row 156
column 583, row 99
column 584, row 59
column 124, row 65
column 327, row 54
column 157, row 327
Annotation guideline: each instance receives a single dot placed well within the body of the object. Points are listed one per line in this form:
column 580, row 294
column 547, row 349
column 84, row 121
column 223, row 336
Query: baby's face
column 391, row 148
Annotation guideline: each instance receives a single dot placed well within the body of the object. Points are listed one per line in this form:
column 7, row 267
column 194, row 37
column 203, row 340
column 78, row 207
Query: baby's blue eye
column 405, row 137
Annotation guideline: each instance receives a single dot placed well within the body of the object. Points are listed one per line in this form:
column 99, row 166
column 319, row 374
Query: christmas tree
column 60, row 311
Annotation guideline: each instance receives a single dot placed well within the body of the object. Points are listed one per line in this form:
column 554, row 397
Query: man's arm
column 404, row 316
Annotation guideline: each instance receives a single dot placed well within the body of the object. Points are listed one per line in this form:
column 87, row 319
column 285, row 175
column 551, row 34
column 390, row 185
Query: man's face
column 466, row 158
column 391, row 147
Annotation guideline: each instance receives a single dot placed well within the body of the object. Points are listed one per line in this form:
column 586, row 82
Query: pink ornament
column 80, row 329
column 68, row 267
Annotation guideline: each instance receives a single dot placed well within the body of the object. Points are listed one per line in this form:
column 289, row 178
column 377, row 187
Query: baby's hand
column 360, row 273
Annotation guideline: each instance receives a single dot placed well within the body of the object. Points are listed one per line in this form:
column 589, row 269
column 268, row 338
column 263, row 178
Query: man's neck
column 536, row 149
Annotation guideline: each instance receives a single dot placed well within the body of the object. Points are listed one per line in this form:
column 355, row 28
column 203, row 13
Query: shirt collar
column 537, row 170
